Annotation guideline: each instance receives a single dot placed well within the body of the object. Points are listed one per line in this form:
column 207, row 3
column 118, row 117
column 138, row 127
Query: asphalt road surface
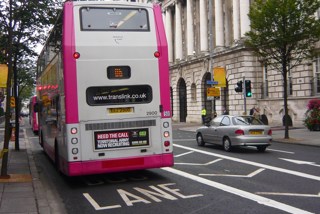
column 284, row 179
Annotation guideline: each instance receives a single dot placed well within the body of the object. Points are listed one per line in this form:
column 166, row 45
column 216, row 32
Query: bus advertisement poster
column 121, row 138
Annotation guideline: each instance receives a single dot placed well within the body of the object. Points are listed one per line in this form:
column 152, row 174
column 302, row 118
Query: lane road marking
column 241, row 193
column 260, row 165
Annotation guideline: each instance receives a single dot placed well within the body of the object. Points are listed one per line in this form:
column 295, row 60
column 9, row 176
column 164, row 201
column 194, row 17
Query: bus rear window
column 115, row 95
column 114, row 19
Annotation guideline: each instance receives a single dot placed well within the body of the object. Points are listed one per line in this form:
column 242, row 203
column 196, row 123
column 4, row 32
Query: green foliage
column 283, row 32
column 29, row 24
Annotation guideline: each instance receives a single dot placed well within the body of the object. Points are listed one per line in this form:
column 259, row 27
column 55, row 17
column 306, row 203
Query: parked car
column 230, row 131
column 24, row 112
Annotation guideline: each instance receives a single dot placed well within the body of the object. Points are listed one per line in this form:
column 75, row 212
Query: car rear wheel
column 227, row 144
column 261, row 148
column 200, row 140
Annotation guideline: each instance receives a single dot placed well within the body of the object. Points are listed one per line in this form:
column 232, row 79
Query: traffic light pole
column 244, row 95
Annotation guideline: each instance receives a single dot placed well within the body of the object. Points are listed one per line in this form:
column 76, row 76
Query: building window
column 289, row 83
column 193, row 92
column 265, row 91
column 316, row 77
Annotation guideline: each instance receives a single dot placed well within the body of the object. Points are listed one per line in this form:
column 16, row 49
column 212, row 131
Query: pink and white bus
column 33, row 115
column 103, row 89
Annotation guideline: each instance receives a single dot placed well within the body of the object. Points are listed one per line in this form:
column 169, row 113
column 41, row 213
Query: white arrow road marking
column 198, row 164
column 289, row 194
column 186, row 153
column 241, row 193
column 300, row 162
column 260, row 165
column 238, row 176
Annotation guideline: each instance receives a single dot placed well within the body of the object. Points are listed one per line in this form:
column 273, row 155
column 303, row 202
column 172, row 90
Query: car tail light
column 270, row 132
column 239, row 132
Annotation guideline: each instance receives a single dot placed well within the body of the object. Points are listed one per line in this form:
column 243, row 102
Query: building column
column 190, row 33
column 178, row 32
column 219, row 23
column 236, row 24
column 169, row 33
column 203, row 26
column 244, row 19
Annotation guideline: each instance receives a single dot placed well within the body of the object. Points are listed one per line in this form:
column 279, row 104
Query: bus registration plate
column 120, row 110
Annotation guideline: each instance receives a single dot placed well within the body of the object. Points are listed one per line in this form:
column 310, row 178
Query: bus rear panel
column 112, row 107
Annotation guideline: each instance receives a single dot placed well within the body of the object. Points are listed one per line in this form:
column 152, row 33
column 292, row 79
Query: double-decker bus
column 103, row 89
column 33, row 115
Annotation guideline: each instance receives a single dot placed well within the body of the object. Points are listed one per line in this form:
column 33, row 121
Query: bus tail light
column 74, row 130
column 270, row 132
column 165, row 124
column 75, row 151
column 74, row 140
column 166, row 143
column 76, row 55
column 166, row 134
column 156, row 54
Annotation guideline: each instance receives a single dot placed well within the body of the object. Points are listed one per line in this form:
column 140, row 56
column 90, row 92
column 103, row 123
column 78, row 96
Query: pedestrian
column 256, row 113
column 252, row 110
column 203, row 115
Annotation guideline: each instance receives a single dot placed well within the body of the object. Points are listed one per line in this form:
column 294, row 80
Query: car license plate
column 120, row 110
column 255, row 132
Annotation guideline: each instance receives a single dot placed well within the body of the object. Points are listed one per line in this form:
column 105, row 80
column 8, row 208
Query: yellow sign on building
column 220, row 76
column 213, row 92
column 3, row 75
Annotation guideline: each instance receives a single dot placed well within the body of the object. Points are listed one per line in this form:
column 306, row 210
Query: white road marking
column 275, row 150
column 96, row 205
column 238, row 176
column 301, row 162
column 198, row 164
column 260, row 165
column 180, row 140
column 241, row 193
column 289, row 194
column 186, row 153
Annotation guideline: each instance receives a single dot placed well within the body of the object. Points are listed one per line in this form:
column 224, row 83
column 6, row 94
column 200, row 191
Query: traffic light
column 238, row 88
column 247, row 84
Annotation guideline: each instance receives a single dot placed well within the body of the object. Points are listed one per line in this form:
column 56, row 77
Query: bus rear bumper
column 119, row 165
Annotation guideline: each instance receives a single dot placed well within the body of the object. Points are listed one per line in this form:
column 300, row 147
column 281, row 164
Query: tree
column 26, row 78
column 23, row 25
column 283, row 33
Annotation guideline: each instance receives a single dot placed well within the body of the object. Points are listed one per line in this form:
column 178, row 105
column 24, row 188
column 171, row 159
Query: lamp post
column 211, row 53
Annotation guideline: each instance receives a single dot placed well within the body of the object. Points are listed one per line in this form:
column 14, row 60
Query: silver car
column 230, row 131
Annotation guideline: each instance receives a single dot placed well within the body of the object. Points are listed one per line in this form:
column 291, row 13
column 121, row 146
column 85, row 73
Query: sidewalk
column 23, row 192
column 297, row 135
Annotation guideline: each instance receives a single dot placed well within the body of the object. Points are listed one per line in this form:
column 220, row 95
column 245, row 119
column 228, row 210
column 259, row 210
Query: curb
column 45, row 200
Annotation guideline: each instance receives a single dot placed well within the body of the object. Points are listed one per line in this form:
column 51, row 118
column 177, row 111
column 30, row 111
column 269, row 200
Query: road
column 284, row 179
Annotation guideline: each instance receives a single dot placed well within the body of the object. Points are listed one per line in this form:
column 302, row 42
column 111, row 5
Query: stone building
column 197, row 44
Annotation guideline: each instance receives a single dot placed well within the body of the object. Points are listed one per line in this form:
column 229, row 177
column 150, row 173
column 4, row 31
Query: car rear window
column 246, row 121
